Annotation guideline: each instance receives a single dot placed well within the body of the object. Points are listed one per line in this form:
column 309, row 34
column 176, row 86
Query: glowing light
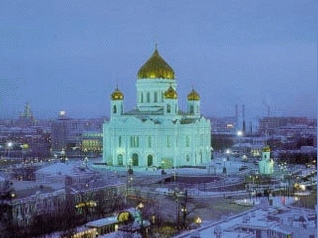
column 239, row 133
column 198, row 220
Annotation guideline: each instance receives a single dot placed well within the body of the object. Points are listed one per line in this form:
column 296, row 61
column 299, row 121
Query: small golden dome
column 155, row 67
column 171, row 93
column 193, row 96
column 117, row 95
column 266, row 149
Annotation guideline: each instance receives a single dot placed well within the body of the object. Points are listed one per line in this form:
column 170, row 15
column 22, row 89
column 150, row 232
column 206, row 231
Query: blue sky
column 69, row 55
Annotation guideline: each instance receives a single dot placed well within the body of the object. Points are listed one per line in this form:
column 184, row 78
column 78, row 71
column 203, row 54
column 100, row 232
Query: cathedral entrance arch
column 135, row 159
column 120, row 160
column 149, row 160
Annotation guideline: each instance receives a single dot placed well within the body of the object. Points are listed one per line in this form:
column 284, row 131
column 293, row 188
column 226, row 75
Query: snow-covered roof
column 64, row 169
column 102, row 222
column 2, row 179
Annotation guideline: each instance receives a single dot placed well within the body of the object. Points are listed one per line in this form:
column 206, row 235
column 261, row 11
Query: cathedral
column 156, row 133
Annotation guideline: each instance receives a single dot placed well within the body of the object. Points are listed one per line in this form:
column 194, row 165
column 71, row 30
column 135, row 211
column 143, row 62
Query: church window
column 149, row 141
column 119, row 141
column 168, row 108
column 156, row 97
column 149, row 160
column 191, row 109
column 168, row 141
column 188, row 158
column 141, row 97
column 134, row 141
column 114, row 109
column 187, row 141
column 135, row 159
column 148, row 97
column 120, row 160
column 162, row 96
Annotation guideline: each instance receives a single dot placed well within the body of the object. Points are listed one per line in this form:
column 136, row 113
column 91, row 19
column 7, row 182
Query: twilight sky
column 69, row 55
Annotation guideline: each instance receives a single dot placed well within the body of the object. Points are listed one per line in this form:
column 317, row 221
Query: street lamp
column 9, row 145
column 224, row 168
column 198, row 221
column 239, row 135
column 184, row 214
column 140, row 206
column 227, row 152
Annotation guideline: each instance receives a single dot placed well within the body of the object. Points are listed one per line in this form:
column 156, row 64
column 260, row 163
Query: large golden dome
column 171, row 93
column 193, row 96
column 155, row 67
column 117, row 95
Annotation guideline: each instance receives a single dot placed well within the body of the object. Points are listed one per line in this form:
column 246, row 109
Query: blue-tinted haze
column 69, row 55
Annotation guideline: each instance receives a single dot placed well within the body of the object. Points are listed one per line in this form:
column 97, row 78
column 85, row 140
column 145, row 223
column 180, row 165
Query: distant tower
column 194, row 103
column 26, row 117
column 117, row 107
column 243, row 126
column 266, row 165
column 236, row 117
column 171, row 102
column 251, row 128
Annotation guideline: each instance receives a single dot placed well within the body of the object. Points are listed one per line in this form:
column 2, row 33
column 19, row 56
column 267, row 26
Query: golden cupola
column 155, row 67
column 117, row 95
column 266, row 149
column 171, row 93
column 193, row 96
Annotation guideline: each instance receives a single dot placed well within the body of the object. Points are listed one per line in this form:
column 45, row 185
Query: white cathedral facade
column 156, row 133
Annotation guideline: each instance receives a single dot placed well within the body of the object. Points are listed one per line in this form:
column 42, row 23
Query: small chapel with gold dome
column 156, row 133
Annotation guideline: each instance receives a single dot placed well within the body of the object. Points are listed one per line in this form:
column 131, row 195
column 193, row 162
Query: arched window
column 187, row 142
column 119, row 141
column 191, row 109
column 120, row 160
column 148, row 97
column 135, row 159
column 168, row 108
column 149, row 142
column 114, row 109
column 149, row 160
column 141, row 97
column 156, row 97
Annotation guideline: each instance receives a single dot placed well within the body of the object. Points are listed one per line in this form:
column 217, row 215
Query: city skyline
column 71, row 55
